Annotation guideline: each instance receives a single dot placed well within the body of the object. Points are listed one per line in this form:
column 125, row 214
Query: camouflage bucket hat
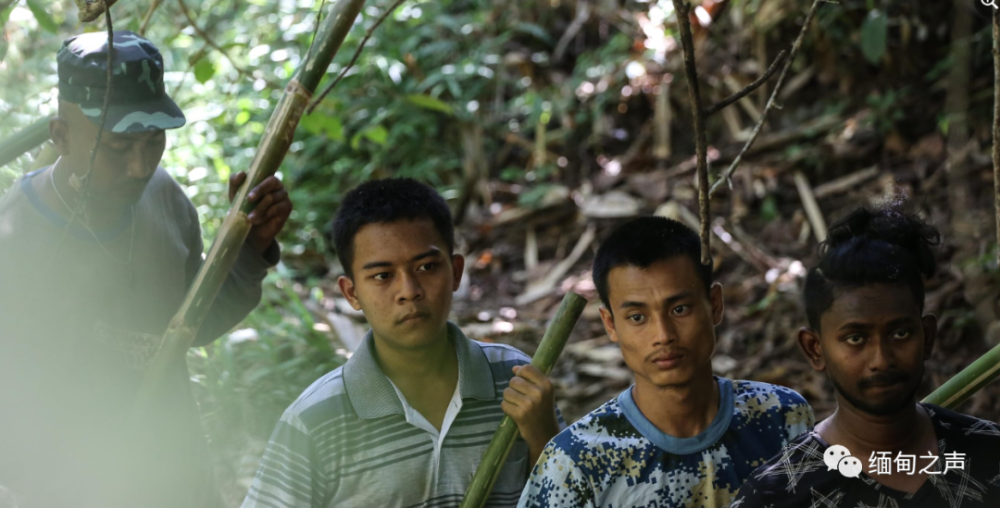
column 138, row 101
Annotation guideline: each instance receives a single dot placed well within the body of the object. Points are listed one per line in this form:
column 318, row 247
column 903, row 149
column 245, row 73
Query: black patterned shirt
column 965, row 472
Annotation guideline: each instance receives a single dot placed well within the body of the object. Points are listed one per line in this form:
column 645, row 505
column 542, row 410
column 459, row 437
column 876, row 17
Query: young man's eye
column 427, row 266
column 682, row 310
column 901, row 334
column 381, row 276
column 636, row 318
column 854, row 340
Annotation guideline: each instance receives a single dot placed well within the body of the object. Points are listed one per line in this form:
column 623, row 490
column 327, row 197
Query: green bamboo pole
column 503, row 440
column 225, row 249
column 23, row 140
column 967, row 382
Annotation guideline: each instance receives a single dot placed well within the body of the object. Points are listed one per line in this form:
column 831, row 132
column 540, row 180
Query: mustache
column 673, row 351
column 882, row 379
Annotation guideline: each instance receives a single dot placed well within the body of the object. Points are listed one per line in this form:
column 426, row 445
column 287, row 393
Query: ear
column 608, row 320
column 457, row 269
column 930, row 334
column 809, row 343
column 346, row 285
column 718, row 306
column 59, row 133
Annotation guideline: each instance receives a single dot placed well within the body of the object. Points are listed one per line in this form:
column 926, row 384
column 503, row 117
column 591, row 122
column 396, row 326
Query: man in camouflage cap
column 87, row 296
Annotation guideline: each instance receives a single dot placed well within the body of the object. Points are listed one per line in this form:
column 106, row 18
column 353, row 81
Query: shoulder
column 793, row 472
column 773, row 395
column 963, row 424
column 324, row 400
column 165, row 189
column 605, row 428
column 501, row 358
column 502, row 353
column 752, row 398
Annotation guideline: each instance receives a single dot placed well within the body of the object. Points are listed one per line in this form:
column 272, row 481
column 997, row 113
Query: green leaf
column 319, row 123
column 874, row 32
column 428, row 102
column 44, row 19
column 377, row 134
column 204, row 70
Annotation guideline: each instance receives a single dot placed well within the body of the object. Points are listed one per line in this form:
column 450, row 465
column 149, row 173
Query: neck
column 437, row 359
column 679, row 411
column 855, row 429
column 56, row 189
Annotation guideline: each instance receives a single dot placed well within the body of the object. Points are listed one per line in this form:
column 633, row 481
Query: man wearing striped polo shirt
column 406, row 420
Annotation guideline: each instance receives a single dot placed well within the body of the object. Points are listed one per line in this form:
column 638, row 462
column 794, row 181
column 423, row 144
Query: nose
column 666, row 332
column 138, row 164
column 883, row 356
column 410, row 288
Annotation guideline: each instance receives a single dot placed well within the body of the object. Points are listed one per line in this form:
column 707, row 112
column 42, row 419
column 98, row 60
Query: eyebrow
column 669, row 300
column 434, row 251
column 854, row 325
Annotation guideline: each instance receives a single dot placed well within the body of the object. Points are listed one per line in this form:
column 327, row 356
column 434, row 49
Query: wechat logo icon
column 839, row 458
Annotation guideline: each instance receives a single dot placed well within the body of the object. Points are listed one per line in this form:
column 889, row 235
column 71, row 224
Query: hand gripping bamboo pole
column 225, row 249
column 503, row 440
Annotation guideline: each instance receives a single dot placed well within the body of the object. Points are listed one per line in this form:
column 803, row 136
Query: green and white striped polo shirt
column 351, row 440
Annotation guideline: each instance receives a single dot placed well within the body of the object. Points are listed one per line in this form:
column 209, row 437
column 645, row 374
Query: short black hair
column 388, row 200
column 642, row 242
column 884, row 246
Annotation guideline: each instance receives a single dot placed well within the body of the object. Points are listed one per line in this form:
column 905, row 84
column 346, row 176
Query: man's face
column 124, row 163
column 663, row 321
column 403, row 281
column 872, row 344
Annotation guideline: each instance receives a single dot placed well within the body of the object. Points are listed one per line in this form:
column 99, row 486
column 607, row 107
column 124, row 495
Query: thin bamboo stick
column 503, row 440
column 967, row 382
column 20, row 142
column 225, row 249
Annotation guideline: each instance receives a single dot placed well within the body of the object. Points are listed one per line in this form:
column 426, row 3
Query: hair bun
column 890, row 225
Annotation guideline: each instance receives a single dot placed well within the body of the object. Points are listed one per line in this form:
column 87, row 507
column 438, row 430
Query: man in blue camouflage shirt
column 679, row 437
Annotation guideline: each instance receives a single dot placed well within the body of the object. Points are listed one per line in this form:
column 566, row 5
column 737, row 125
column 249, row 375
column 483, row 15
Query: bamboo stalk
column 225, row 249
column 967, row 382
column 20, row 142
column 503, row 440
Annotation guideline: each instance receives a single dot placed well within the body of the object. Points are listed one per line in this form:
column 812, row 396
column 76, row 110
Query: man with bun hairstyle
column 868, row 331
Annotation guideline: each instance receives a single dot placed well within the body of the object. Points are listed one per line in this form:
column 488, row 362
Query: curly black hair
column 886, row 245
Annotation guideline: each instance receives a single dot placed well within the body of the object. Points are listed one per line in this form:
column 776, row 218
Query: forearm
column 540, row 437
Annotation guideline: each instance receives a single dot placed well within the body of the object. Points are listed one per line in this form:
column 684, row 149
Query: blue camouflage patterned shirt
column 615, row 458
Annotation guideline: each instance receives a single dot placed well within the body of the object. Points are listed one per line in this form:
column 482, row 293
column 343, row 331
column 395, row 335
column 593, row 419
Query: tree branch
column 770, row 102
column 208, row 40
column 996, row 121
column 682, row 9
column 149, row 15
column 749, row 88
column 354, row 58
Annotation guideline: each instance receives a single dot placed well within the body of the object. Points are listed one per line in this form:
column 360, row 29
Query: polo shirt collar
column 372, row 396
